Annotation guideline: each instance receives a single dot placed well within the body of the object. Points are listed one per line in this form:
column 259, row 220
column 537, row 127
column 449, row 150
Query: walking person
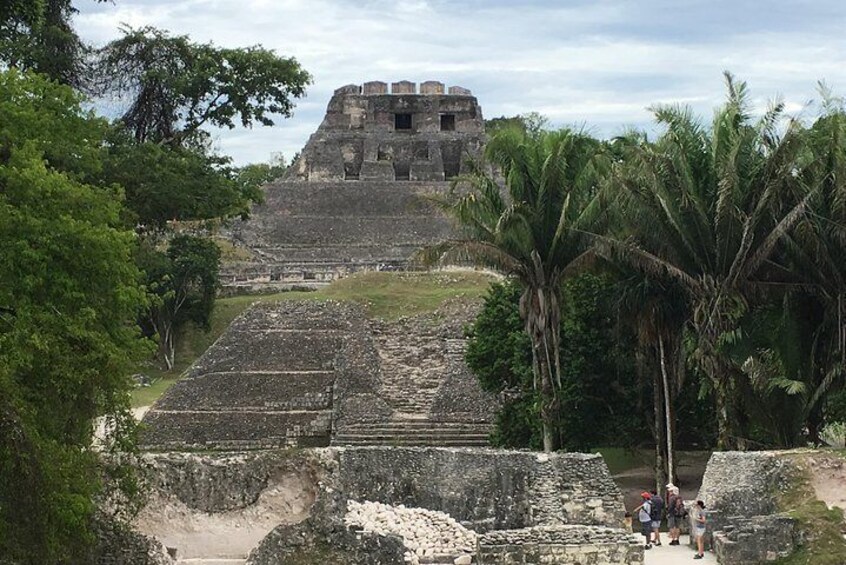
column 656, row 514
column 644, row 516
column 700, row 522
column 676, row 512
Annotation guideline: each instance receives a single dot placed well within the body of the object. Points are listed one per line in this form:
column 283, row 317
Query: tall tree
column 69, row 292
column 174, row 86
column 706, row 209
column 817, row 253
column 38, row 35
column 533, row 232
column 182, row 282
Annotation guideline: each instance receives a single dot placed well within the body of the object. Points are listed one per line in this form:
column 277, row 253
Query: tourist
column 699, row 527
column 657, row 510
column 675, row 513
column 644, row 515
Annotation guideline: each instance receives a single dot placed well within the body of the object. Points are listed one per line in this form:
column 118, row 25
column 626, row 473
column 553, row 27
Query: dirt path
column 828, row 477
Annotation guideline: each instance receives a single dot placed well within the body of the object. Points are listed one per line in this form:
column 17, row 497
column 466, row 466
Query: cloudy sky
column 597, row 63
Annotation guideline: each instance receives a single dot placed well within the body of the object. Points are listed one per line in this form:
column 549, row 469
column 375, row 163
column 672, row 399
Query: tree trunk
column 658, row 428
column 166, row 349
column 538, row 307
column 667, row 412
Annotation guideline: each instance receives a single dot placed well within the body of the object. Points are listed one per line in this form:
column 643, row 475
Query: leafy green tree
column 706, row 209
column 531, row 123
column 534, row 233
column 165, row 184
column 601, row 398
column 69, row 291
column 175, row 86
column 38, row 35
column 255, row 175
column 183, row 282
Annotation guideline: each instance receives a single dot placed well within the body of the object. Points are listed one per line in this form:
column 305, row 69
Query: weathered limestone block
column 348, row 89
column 751, row 541
column 403, row 87
column 459, row 91
column 377, row 171
column 742, row 484
column 431, row 87
column 426, row 171
column 375, row 87
column 568, row 545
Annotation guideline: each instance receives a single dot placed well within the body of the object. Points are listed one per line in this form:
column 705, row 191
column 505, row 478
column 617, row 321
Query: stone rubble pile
column 428, row 534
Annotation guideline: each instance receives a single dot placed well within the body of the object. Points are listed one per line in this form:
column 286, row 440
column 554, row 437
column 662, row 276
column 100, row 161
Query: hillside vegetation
column 384, row 296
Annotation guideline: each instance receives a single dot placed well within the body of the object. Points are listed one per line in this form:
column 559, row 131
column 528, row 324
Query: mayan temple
column 355, row 198
column 309, row 421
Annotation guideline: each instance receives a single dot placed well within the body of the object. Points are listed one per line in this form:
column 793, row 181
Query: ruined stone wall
column 742, row 484
column 740, row 491
column 290, row 502
column 566, row 545
column 486, row 489
column 369, row 134
column 312, row 232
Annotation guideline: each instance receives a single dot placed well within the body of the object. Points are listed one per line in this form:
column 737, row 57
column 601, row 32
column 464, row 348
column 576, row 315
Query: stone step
column 454, row 441
column 446, row 436
column 415, row 430
column 210, row 561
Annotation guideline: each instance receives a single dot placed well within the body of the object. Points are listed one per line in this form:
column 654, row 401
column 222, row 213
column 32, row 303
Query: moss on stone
column 820, row 526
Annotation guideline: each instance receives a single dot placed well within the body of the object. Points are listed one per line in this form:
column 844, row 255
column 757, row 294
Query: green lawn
column 384, row 296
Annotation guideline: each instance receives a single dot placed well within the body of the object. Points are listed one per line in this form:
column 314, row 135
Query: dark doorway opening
column 402, row 121
column 447, row 122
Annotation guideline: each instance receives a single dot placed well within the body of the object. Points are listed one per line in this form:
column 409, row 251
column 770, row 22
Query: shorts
column 656, row 524
column 671, row 521
column 698, row 532
column 646, row 528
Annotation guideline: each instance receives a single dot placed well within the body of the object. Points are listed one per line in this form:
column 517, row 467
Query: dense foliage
column 176, row 86
column 182, row 283
column 68, row 288
column 604, row 402
column 104, row 232
column 725, row 246
column 532, row 230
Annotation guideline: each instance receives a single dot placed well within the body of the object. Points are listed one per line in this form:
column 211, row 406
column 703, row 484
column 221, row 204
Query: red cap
column 646, row 495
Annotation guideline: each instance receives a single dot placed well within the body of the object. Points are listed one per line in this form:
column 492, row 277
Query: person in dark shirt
column 657, row 513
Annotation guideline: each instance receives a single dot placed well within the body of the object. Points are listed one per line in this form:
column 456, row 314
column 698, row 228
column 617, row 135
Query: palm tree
column 816, row 249
column 705, row 209
column 657, row 313
column 530, row 228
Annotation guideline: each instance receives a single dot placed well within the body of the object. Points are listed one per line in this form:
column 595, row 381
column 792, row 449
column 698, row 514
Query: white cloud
column 599, row 63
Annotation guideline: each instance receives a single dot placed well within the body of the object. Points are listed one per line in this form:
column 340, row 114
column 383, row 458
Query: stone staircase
column 411, row 370
column 210, row 561
column 415, row 432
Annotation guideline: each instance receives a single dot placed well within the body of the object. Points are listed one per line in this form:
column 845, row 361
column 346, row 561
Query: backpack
column 679, row 511
column 657, row 507
column 645, row 514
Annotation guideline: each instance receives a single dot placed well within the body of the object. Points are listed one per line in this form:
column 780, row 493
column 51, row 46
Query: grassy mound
column 384, row 295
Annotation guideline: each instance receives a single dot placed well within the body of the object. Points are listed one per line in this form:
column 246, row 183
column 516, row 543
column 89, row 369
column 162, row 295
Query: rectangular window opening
column 402, row 122
column 447, row 122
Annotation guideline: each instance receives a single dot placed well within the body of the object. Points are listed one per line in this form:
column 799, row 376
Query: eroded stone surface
column 358, row 196
column 307, row 373
column 740, row 491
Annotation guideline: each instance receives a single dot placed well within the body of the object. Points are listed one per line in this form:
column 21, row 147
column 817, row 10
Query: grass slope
column 384, row 295
column 821, row 527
